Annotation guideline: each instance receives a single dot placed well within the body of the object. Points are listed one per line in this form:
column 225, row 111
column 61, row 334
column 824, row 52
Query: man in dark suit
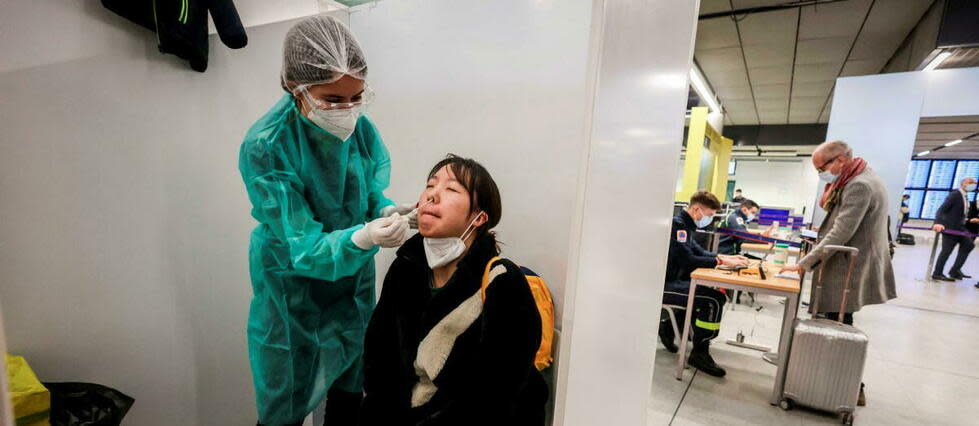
column 953, row 215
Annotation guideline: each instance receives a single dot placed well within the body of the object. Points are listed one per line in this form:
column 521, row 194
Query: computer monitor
column 767, row 215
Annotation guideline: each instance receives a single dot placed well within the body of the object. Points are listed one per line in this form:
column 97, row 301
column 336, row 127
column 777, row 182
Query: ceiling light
column 923, row 153
column 935, row 63
column 700, row 86
column 953, row 143
column 778, row 154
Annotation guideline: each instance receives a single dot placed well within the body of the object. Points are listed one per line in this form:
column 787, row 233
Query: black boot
column 700, row 359
column 666, row 336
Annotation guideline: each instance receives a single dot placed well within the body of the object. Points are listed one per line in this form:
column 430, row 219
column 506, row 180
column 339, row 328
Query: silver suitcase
column 827, row 357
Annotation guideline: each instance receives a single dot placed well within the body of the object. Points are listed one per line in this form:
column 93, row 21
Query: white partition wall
column 878, row 116
column 641, row 53
column 125, row 222
column 499, row 81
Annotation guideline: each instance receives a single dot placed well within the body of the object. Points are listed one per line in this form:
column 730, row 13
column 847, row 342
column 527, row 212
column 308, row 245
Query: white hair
column 835, row 148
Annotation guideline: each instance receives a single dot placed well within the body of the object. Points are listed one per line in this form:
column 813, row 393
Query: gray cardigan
column 858, row 220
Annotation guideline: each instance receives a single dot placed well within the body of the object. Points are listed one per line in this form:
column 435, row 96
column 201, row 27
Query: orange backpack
column 545, row 305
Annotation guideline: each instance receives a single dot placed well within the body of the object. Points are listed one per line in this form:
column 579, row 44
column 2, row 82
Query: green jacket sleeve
column 381, row 176
column 277, row 201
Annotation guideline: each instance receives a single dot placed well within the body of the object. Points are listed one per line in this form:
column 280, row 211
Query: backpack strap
column 486, row 276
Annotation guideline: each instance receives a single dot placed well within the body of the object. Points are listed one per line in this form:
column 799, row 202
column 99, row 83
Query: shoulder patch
column 681, row 236
column 740, row 221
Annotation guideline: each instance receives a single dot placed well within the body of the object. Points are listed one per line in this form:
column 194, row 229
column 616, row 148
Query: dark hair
column 705, row 199
column 737, row 190
column 906, row 196
column 749, row 204
column 484, row 195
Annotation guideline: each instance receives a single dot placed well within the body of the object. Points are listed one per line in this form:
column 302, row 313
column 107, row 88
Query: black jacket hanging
column 181, row 25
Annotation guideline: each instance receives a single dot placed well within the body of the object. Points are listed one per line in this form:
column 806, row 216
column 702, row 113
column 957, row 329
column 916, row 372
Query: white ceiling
column 937, row 131
column 779, row 67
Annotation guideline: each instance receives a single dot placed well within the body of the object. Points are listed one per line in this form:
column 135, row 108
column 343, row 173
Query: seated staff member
column 685, row 256
column 738, row 220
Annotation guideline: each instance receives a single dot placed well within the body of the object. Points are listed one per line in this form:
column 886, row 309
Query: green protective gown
column 313, row 288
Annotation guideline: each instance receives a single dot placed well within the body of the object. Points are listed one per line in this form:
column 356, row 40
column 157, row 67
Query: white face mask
column 442, row 251
column 750, row 217
column 339, row 122
column 828, row 177
column 970, row 187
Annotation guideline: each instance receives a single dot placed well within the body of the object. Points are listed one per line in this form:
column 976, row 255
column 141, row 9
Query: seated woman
column 436, row 353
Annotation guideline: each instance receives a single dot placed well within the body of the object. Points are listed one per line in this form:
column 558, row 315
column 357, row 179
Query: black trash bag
column 87, row 404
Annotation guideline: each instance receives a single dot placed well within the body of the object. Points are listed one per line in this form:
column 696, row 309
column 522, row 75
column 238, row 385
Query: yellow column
column 695, row 146
column 722, row 157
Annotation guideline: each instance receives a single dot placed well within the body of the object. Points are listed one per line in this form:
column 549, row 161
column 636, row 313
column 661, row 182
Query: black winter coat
column 181, row 25
column 446, row 357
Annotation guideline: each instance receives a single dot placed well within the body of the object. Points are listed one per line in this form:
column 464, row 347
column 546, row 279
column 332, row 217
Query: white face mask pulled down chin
column 442, row 251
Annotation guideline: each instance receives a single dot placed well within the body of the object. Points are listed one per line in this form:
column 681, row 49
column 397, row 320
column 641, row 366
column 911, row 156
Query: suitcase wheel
column 786, row 404
column 846, row 418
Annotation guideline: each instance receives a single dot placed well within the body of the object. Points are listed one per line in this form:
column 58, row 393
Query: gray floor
column 922, row 367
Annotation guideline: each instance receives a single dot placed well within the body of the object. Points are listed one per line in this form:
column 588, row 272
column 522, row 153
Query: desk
column 787, row 288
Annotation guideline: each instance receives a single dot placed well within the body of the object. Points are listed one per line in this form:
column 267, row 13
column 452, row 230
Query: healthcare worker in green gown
column 315, row 169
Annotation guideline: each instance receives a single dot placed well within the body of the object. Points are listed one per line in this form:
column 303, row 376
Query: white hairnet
column 320, row 49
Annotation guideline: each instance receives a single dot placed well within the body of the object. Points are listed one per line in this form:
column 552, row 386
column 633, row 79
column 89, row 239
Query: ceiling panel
column 773, row 105
column 840, row 19
column 863, row 67
column 824, row 118
column 746, row 105
column 812, row 88
column 769, row 28
column 771, row 91
column 766, row 55
column 812, row 102
column 805, row 73
column 886, row 28
column 736, row 78
column 822, row 50
column 733, row 93
column 713, row 6
column 744, row 116
column 768, row 40
column 771, row 75
column 810, row 115
column 773, row 117
column 717, row 61
column 716, row 33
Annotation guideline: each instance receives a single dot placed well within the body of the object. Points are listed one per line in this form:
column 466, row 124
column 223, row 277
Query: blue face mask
column 704, row 221
column 970, row 187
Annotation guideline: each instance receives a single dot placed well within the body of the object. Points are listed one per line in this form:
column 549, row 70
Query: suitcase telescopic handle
column 851, row 253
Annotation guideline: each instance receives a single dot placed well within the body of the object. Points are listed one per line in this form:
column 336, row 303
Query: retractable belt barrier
column 755, row 237
column 947, row 231
column 934, row 245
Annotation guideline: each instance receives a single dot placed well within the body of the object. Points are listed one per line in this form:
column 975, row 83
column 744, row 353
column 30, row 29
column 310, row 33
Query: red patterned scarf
column 833, row 191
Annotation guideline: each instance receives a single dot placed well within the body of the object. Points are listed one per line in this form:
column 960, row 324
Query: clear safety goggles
column 366, row 98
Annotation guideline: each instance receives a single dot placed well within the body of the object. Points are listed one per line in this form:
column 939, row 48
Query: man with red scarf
column 855, row 200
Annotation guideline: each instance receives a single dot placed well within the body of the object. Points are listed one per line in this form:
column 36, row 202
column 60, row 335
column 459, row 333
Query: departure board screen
column 933, row 200
column 965, row 169
column 942, row 173
column 918, row 174
column 917, row 196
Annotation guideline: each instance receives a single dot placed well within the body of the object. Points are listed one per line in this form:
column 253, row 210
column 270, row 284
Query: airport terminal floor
column 920, row 367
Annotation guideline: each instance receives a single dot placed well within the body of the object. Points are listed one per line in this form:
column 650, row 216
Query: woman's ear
column 481, row 219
